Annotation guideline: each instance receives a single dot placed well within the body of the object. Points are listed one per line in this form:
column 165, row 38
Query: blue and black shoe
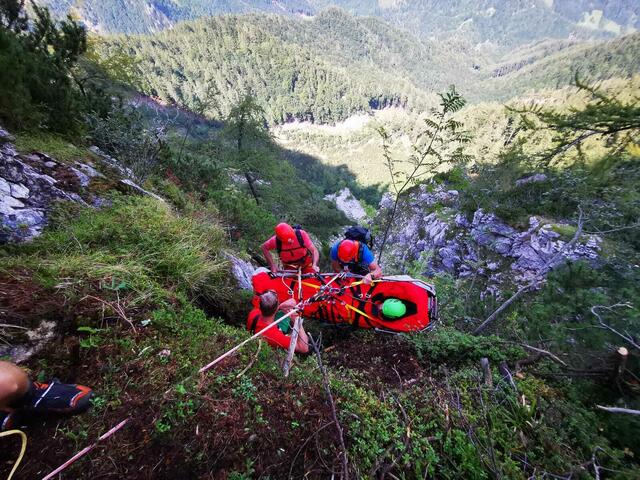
column 56, row 397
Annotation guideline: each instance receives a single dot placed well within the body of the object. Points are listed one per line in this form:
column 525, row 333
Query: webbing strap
column 351, row 307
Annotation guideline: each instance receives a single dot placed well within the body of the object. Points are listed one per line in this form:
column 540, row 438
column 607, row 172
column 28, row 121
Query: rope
column 23, row 448
column 297, row 308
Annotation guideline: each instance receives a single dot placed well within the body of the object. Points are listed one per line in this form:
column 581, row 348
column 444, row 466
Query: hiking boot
column 56, row 397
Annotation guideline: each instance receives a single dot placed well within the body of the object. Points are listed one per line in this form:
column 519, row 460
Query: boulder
column 348, row 204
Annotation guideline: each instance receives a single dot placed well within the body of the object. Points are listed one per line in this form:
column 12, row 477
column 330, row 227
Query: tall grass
column 137, row 244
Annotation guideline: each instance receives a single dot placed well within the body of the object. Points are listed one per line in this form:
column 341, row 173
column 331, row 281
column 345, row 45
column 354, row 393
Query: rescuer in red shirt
column 268, row 312
column 294, row 247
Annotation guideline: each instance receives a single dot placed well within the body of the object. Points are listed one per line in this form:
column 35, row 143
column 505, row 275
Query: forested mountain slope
column 323, row 70
column 334, row 65
column 503, row 24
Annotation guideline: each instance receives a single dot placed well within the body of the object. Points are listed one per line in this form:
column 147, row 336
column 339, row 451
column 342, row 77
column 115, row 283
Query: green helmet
column 393, row 308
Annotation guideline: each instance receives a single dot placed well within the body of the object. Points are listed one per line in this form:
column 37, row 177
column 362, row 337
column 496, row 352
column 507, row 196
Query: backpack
column 356, row 266
column 359, row 234
column 301, row 245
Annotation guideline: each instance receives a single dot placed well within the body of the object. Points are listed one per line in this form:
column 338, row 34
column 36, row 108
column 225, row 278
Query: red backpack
column 300, row 258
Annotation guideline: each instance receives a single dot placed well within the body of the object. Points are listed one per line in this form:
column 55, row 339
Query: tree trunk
column 486, row 372
column 388, row 227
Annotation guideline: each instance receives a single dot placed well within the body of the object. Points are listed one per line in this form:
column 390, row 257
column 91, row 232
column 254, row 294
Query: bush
column 449, row 346
column 35, row 64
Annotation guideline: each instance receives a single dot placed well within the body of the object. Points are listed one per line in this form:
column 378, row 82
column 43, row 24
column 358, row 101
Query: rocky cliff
column 31, row 183
column 432, row 233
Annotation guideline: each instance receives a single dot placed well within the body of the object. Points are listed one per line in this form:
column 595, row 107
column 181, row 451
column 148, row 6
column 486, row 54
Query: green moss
column 51, row 144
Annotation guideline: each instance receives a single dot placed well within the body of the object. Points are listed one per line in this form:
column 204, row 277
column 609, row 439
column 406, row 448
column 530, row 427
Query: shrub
column 449, row 346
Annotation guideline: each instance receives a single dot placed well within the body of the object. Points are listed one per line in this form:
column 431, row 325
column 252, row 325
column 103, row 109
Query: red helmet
column 347, row 250
column 284, row 232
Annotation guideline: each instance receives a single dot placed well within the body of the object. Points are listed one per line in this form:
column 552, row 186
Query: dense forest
column 325, row 69
column 128, row 223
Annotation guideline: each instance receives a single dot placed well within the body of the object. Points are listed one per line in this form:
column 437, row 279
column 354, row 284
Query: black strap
column 254, row 322
column 301, row 244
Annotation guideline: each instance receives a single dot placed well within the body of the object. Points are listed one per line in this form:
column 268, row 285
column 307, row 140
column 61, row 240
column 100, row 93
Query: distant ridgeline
column 332, row 66
column 506, row 24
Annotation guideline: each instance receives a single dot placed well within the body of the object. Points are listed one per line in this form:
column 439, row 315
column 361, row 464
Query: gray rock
column 6, row 136
column 88, row 170
column 82, row 177
column 242, row 271
column 8, row 204
column 442, row 239
column 347, row 204
column 538, row 177
column 5, row 187
column 19, row 191
column 137, row 188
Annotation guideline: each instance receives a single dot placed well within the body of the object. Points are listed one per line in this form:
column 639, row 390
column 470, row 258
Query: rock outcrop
column 30, row 184
column 348, row 204
column 431, row 229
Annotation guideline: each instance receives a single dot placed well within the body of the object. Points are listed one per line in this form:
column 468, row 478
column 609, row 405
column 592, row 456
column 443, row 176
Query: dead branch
column 315, row 345
column 85, row 450
column 619, row 410
column 627, row 337
column 304, row 444
column 549, row 265
column 506, row 375
column 116, row 307
column 253, row 360
column 545, row 353
column 620, row 365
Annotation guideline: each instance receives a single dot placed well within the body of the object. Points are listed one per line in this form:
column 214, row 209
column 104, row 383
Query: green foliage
column 35, row 66
column 125, row 134
column 428, row 156
column 138, row 241
column 453, row 347
column 283, row 62
column 604, row 115
column 59, row 148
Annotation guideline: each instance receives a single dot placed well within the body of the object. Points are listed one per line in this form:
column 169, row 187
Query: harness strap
column 254, row 322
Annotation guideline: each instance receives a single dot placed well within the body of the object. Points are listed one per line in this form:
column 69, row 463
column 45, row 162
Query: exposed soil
column 283, row 428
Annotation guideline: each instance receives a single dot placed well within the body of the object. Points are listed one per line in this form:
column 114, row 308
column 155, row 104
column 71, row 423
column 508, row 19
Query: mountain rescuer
column 295, row 249
column 356, row 257
column 271, row 310
column 20, row 397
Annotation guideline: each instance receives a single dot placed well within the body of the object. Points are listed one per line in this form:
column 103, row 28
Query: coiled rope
column 23, row 448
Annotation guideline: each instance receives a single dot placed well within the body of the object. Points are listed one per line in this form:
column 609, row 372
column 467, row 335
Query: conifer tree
column 246, row 127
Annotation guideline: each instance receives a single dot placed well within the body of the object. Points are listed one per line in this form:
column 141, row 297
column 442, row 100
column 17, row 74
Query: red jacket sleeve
column 271, row 243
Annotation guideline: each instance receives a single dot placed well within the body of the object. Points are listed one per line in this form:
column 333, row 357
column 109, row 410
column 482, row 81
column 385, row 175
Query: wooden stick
column 86, row 450
column 334, row 415
column 619, row 366
column 619, row 410
column 297, row 324
column 271, row 325
column 242, row 344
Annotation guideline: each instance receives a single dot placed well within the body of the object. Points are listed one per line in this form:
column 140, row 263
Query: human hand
column 273, row 269
column 367, row 279
column 315, row 268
